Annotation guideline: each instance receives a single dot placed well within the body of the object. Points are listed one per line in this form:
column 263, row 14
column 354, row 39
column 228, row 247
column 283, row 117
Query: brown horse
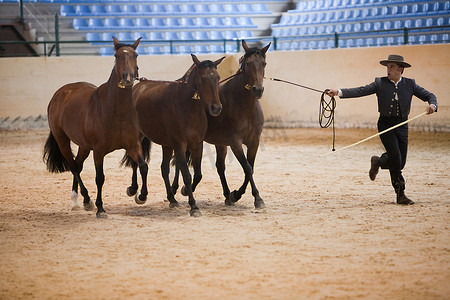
column 241, row 122
column 174, row 114
column 101, row 119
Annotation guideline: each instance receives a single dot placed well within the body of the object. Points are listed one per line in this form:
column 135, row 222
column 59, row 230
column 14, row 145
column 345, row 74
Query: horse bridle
column 241, row 69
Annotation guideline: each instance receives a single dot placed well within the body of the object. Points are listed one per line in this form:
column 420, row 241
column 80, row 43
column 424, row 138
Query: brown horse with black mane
column 101, row 119
column 174, row 114
column 241, row 122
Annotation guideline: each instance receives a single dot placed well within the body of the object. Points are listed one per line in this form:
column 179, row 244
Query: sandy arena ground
column 328, row 232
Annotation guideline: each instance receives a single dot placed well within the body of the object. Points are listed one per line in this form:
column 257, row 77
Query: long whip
column 377, row 134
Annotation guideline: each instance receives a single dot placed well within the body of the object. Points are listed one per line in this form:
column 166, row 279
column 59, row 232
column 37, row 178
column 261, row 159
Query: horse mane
column 205, row 63
column 120, row 45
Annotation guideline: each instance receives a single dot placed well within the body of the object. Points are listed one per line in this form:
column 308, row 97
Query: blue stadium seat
column 231, row 22
column 217, row 8
column 124, row 37
column 126, row 23
column 113, row 10
column 231, row 8
column 245, row 34
column 159, row 8
column 144, row 9
column 111, row 23
column 369, row 42
column 216, row 35
column 202, row 22
column 80, row 24
column 83, row 10
column 216, row 49
column 173, row 8
column 171, row 35
column 202, row 8
column 95, row 24
column 154, row 50
column 186, row 35
column 188, row 8
column 172, row 23
column 67, row 10
column 158, row 23
column 142, row 35
column 246, row 8
column 142, row 23
column 156, row 36
column 217, row 22
column 201, row 49
column 187, row 22
column 230, row 34
column 93, row 36
column 231, row 48
column 201, row 35
column 98, row 10
column 106, row 51
column 107, row 36
column 247, row 22
column 185, row 49
column 129, row 9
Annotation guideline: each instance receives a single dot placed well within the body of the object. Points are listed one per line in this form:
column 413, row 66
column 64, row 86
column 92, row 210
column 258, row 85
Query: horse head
column 204, row 78
column 252, row 67
column 125, row 66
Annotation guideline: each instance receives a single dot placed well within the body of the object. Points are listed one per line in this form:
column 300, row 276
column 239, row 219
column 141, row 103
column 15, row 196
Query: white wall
column 27, row 84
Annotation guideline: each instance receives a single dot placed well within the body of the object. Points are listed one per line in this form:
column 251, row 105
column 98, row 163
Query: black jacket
column 385, row 90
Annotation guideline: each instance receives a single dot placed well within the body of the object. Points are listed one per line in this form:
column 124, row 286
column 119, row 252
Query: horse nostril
column 258, row 91
column 215, row 110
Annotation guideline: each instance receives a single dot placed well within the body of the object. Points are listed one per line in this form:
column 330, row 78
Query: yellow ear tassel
column 196, row 96
column 248, row 87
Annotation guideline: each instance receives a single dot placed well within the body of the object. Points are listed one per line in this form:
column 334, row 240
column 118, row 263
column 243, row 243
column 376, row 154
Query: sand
column 327, row 231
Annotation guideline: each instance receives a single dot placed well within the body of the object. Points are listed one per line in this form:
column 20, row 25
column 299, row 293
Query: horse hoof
column 183, row 191
column 174, row 205
column 76, row 208
column 195, row 213
column 234, row 197
column 101, row 215
column 228, row 202
column 131, row 191
column 259, row 204
column 141, row 199
column 89, row 206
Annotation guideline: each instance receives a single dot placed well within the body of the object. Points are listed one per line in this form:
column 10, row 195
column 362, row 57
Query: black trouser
column 396, row 144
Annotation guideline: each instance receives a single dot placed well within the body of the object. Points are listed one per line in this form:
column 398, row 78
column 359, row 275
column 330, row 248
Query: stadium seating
column 362, row 23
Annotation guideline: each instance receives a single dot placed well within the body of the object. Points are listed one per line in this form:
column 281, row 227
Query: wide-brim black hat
column 398, row 59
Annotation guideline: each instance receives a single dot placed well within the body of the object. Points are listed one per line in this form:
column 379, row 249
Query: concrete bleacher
column 360, row 23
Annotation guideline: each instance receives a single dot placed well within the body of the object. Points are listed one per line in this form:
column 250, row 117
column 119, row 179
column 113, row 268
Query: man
column 394, row 94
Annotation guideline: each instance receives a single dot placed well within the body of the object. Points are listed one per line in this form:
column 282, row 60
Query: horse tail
column 188, row 159
column 53, row 158
column 127, row 161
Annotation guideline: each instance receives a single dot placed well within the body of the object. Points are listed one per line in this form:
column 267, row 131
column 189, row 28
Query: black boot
column 401, row 197
column 374, row 166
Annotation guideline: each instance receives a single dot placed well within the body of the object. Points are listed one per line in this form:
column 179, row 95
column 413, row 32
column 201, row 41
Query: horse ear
column 195, row 59
column 244, row 45
column 116, row 41
column 218, row 61
column 264, row 50
column 134, row 46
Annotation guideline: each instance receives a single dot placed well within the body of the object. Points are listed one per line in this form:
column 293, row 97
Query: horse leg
column 248, row 170
column 138, row 159
column 99, row 181
column 175, row 182
column 221, row 152
column 64, row 146
column 132, row 189
column 79, row 160
column 165, row 170
column 187, row 179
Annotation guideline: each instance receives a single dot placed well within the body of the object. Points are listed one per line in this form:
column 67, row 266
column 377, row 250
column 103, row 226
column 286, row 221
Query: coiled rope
column 326, row 109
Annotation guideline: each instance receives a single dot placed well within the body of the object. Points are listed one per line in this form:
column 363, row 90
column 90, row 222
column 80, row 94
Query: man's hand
column 332, row 93
column 430, row 109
